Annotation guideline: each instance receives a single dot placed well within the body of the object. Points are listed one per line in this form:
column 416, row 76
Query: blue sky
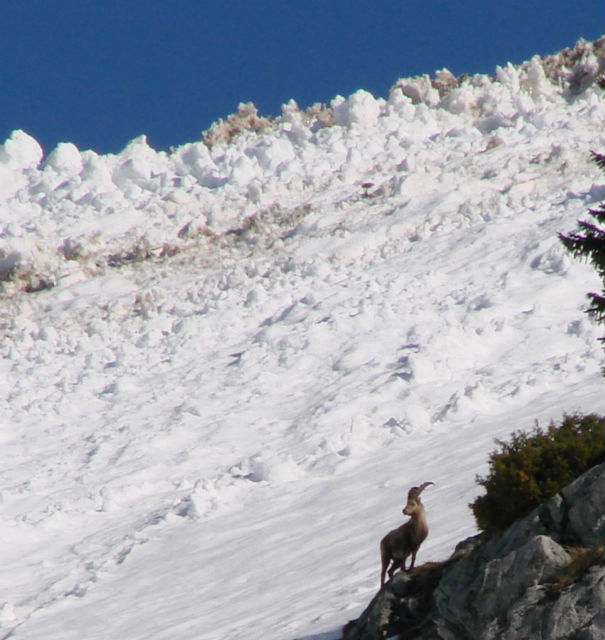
column 99, row 73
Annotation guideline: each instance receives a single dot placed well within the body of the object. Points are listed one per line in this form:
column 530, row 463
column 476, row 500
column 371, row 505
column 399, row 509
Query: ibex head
column 414, row 498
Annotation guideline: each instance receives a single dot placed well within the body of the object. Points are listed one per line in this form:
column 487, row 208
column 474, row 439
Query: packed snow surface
column 224, row 365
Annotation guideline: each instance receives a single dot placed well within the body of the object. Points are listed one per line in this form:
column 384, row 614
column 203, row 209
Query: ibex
column 398, row 544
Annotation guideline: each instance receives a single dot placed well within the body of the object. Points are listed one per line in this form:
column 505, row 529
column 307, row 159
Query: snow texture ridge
column 73, row 211
column 226, row 364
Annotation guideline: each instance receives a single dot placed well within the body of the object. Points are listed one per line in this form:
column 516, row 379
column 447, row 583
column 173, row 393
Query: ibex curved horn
column 416, row 491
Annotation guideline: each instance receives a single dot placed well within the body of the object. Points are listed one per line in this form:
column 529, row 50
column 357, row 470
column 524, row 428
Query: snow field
column 209, row 442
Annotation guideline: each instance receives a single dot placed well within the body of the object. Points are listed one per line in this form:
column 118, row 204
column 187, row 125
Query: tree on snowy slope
column 589, row 243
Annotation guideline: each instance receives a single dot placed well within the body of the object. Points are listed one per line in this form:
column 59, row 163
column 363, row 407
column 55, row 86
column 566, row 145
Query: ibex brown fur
column 404, row 541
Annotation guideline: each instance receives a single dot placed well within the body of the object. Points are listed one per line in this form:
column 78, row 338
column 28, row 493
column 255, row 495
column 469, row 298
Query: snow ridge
column 77, row 212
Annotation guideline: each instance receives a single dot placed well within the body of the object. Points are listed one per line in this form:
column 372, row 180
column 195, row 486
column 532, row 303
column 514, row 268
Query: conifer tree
column 589, row 243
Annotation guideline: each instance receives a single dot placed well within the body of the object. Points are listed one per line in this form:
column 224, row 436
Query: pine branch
column 598, row 159
column 599, row 214
column 597, row 310
column 591, row 229
column 589, row 243
column 588, row 247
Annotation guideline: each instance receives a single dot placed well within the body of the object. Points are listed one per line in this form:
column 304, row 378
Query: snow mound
column 135, row 203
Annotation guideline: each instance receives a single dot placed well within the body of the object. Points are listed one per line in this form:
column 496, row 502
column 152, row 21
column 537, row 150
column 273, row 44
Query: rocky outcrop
column 544, row 578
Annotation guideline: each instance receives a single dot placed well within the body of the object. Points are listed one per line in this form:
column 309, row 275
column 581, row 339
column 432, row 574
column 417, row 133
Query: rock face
column 543, row 578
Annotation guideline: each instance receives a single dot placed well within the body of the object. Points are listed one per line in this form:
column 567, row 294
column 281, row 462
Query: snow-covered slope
column 240, row 356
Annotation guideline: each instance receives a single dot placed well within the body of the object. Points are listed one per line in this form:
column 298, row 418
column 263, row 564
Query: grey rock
column 586, row 507
column 492, row 586
column 508, row 587
column 399, row 609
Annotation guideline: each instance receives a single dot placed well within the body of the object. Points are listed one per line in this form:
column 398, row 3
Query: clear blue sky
column 100, row 72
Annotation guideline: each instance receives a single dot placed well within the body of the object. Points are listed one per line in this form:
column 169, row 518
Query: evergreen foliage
column 589, row 243
column 532, row 467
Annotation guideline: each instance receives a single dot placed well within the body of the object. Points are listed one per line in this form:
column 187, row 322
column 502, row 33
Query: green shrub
column 532, row 467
